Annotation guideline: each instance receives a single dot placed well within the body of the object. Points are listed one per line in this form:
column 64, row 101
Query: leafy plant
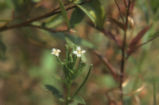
column 72, row 67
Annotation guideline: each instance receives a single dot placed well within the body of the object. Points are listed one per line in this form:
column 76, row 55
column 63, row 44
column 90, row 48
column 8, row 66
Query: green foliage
column 78, row 100
column 64, row 13
column 54, row 21
column 75, row 39
column 95, row 11
column 76, row 17
column 29, row 69
column 54, row 91
column 72, row 66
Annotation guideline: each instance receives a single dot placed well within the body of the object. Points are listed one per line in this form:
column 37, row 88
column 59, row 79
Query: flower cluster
column 78, row 52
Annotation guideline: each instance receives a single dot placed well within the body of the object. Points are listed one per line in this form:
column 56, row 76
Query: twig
column 53, row 12
column 45, row 28
column 122, row 68
column 107, row 34
column 125, row 3
column 144, row 43
column 119, row 10
column 83, row 83
column 108, row 65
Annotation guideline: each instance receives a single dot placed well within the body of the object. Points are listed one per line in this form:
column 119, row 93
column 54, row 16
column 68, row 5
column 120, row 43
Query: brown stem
column 108, row 65
column 45, row 28
column 123, row 50
column 116, row 3
column 53, row 12
column 108, row 34
column 125, row 3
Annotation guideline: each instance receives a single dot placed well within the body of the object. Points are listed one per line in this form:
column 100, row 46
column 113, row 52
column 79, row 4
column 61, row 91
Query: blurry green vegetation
column 27, row 66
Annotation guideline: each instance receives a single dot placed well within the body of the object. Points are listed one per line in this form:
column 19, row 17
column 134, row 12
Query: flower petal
column 75, row 52
column 78, row 55
column 78, row 48
column 58, row 50
column 83, row 51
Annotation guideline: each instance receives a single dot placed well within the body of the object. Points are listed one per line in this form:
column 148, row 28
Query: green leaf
column 84, row 81
column 54, row 21
column 64, row 13
column 54, row 91
column 75, row 39
column 95, row 11
column 76, row 17
column 78, row 100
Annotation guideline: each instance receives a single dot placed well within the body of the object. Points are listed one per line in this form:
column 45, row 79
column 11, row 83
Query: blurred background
column 26, row 63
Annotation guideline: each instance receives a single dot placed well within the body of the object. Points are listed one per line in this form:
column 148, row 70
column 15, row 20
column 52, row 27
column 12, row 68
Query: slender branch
column 119, row 10
column 107, row 34
column 144, row 43
column 53, row 12
column 83, row 83
column 123, row 49
column 45, row 28
column 125, row 3
column 67, row 100
column 108, row 65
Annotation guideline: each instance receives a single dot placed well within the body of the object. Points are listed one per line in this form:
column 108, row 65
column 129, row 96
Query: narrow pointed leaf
column 64, row 13
column 138, row 37
column 76, row 17
column 54, row 91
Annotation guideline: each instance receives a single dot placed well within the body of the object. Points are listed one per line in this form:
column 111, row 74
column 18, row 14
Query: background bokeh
column 26, row 63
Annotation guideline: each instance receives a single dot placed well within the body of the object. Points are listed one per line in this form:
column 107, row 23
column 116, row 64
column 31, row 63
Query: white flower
column 56, row 52
column 78, row 52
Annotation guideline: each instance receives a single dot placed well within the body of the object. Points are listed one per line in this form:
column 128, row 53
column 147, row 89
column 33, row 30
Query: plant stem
column 123, row 50
column 77, row 63
column 68, row 94
column 83, row 83
column 122, row 69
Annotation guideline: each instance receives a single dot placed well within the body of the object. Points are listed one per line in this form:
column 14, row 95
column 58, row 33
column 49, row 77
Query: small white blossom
column 78, row 52
column 56, row 52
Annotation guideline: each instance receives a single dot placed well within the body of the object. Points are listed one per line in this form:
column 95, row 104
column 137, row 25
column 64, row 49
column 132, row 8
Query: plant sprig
column 72, row 66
